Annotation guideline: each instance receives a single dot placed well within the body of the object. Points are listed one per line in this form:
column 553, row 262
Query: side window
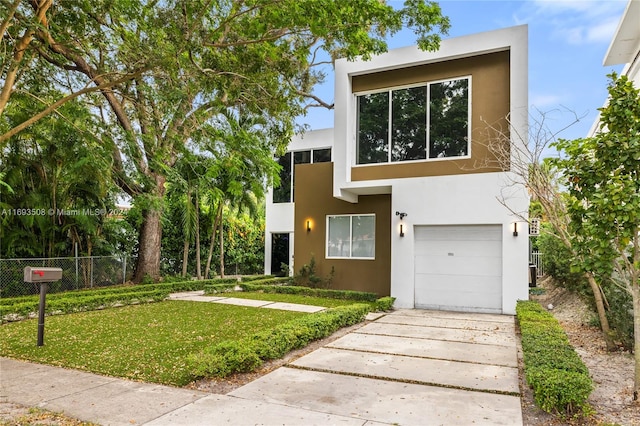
column 351, row 236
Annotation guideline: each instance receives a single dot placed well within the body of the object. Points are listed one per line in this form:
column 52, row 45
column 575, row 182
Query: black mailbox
column 42, row 275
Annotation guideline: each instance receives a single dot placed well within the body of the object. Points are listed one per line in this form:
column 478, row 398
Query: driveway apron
column 410, row 367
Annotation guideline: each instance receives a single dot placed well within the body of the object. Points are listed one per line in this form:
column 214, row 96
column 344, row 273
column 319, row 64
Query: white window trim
column 326, row 238
column 389, row 90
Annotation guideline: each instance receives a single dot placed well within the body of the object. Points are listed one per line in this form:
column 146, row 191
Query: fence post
column 124, row 269
column 91, row 263
column 76, row 250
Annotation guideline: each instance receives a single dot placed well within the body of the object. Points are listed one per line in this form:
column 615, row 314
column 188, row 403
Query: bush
column 385, row 304
column 559, row 379
column 557, row 264
column 620, row 315
column 232, row 357
column 267, row 286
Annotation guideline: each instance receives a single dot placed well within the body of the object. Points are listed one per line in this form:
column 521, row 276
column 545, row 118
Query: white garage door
column 459, row 268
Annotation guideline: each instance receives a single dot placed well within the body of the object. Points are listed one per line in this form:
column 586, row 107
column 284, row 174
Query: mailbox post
column 42, row 276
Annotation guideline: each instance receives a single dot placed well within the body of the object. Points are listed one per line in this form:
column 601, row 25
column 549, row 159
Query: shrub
column 249, row 353
column 559, row 379
column 385, row 304
column 620, row 315
column 557, row 263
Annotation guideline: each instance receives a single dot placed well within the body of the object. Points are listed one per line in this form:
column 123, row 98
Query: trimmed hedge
column 248, row 354
column 359, row 296
column 559, row 379
column 85, row 300
column 75, row 303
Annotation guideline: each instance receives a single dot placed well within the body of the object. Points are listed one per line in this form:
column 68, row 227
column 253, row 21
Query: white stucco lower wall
column 279, row 220
column 460, row 200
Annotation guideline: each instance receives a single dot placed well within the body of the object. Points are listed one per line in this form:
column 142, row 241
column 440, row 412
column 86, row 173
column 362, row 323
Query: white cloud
column 575, row 22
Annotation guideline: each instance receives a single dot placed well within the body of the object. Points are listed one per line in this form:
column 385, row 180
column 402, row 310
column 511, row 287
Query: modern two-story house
column 405, row 195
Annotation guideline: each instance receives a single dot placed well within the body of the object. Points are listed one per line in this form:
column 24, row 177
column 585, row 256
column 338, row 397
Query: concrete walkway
column 409, row 367
column 198, row 296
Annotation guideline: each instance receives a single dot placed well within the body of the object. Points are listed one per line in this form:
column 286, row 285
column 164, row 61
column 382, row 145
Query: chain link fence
column 77, row 273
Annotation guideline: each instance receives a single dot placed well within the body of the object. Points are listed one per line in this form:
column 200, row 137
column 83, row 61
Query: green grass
column 143, row 342
column 289, row 298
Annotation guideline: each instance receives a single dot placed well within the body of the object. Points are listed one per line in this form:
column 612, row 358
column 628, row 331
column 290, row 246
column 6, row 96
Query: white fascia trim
column 514, row 39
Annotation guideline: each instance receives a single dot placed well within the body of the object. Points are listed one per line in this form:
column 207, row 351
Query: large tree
column 167, row 70
column 603, row 179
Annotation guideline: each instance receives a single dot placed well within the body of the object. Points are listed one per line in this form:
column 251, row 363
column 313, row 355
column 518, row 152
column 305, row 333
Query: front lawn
column 143, row 342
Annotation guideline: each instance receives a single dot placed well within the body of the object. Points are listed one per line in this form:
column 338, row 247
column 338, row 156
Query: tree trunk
column 221, row 247
column 213, row 240
column 150, row 236
column 635, row 295
column 185, row 257
column 602, row 316
column 198, row 262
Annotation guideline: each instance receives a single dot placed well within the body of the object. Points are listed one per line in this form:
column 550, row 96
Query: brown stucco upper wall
column 313, row 194
column 490, row 105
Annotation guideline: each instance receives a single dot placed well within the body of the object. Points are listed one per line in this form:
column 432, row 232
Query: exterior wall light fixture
column 515, row 229
column 308, row 226
column 402, row 216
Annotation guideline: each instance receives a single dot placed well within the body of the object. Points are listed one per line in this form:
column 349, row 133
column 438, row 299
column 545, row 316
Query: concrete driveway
column 410, row 367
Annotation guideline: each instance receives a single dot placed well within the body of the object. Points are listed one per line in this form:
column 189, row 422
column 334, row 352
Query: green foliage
column 559, row 379
column 241, row 356
column 307, row 276
column 385, row 304
column 227, row 79
column 620, row 315
column 558, row 262
column 317, row 292
column 149, row 342
column 602, row 174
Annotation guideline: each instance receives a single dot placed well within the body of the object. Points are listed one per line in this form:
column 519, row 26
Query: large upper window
column 351, row 236
column 414, row 123
column 284, row 193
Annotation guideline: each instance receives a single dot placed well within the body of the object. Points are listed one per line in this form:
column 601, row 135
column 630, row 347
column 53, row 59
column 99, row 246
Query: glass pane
column 364, row 236
column 373, row 128
column 322, row 155
column 302, row 157
column 339, row 242
column 409, row 124
column 449, row 119
column 282, row 194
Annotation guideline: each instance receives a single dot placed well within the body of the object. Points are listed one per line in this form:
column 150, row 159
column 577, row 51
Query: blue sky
column 567, row 43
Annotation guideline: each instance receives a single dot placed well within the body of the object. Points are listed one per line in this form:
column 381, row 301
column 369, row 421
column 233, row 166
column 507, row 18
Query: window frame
column 389, row 91
column 350, row 216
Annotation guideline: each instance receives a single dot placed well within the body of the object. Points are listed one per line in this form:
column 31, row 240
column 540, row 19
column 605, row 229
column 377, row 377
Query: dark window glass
column 282, row 194
column 373, row 128
column 409, row 124
column 322, row 155
column 302, row 157
column 449, row 119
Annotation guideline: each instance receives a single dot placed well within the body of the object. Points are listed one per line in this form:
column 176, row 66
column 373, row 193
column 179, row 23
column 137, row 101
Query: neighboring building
column 625, row 48
column 401, row 197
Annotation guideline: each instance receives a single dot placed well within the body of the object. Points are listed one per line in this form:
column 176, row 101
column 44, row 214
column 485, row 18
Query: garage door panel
column 481, row 266
column 459, row 267
column 463, row 292
column 459, row 248
column 458, row 233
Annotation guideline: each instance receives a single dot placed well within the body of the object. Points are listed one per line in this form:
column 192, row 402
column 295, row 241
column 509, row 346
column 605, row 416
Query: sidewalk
column 408, row 367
